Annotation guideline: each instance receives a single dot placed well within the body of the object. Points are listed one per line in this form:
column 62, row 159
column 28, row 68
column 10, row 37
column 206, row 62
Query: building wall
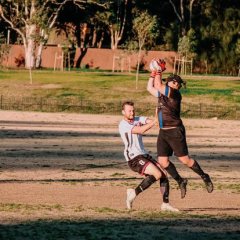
column 94, row 58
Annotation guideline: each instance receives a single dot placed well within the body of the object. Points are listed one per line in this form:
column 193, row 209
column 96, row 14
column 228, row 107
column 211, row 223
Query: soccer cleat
column 131, row 195
column 208, row 183
column 167, row 207
column 183, row 187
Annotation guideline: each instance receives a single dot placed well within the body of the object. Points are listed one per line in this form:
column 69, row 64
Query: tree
column 99, row 25
column 186, row 22
column 219, row 31
column 83, row 27
column 4, row 49
column 117, row 24
column 145, row 29
column 187, row 45
column 32, row 20
column 113, row 19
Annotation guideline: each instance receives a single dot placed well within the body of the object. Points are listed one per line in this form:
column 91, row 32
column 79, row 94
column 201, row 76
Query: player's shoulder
column 123, row 123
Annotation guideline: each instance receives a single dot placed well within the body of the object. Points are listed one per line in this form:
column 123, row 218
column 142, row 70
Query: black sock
column 197, row 169
column 164, row 185
column 146, row 183
column 172, row 171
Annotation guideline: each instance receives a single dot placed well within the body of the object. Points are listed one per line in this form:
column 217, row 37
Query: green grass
column 106, row 86
column 233, row 187
column 109, row 223
column 15, row 207
column 149, row 226
column 103, row 92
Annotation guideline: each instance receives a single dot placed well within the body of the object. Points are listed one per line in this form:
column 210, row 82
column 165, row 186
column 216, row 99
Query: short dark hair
column 174, row 77
column 130, row 103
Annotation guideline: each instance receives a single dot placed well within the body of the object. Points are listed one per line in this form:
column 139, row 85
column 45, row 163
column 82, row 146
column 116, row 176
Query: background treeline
column 206, row 30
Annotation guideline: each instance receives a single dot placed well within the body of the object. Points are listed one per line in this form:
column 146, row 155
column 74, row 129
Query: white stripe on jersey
column 133, row 142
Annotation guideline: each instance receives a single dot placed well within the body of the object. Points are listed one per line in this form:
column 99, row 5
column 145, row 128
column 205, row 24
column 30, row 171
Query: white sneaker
column 130, row 197
column 168, row 207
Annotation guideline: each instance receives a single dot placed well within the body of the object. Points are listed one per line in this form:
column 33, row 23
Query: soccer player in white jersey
column 131, row 129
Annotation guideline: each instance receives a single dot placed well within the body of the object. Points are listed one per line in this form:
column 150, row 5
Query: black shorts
column 140, row 162
column 172, row 141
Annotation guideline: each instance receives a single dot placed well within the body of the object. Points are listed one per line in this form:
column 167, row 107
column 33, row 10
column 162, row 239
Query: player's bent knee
column 185, row 160
column 163, row 162
column 151, row 169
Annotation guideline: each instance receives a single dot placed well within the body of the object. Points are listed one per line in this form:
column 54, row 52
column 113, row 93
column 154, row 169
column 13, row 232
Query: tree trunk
column 83, row 52
column 112, row 37
column 116, row 35
column 44, row 38
column 138, row 66
column 30, row 46
column 39, row 55
column 101, row 40
column 190, row 13
column 94, row 38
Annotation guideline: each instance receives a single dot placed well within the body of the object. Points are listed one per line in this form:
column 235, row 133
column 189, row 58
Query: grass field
column 113, row 87
column 103, row 92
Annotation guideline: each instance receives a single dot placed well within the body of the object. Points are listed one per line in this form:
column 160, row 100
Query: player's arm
column 142, row 129
column 155, row 85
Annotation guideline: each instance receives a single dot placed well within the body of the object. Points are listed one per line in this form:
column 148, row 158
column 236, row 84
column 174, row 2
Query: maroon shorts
column 140, row 162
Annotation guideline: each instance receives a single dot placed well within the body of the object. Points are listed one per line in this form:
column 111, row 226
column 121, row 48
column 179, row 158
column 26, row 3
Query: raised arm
column 155, row 85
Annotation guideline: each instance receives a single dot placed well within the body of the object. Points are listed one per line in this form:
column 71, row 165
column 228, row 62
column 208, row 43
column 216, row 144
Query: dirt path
column 61, row 166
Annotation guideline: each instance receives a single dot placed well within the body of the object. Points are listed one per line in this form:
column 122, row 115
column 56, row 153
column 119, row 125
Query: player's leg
column 181, row 151
column 164, row 150
column 154, row 169
column 165, row 189
column 145, row 167
column 193, row 164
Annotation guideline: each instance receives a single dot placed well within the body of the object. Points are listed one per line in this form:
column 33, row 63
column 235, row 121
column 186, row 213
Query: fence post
column 41, row 104
column 200, row 110
column 1, row 101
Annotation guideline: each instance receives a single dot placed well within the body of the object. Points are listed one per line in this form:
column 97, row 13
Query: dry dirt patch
column 69, row 169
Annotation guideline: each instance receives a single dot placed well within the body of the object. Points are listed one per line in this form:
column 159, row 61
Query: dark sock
column 146, row 183
column 172, row 171
column 164, row 184
column 197, row 169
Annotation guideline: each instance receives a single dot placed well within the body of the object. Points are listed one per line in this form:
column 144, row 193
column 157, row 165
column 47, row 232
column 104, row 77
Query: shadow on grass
column 164, row 229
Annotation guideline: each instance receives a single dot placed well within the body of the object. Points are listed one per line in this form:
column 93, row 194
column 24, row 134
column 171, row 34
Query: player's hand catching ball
column 157, row 65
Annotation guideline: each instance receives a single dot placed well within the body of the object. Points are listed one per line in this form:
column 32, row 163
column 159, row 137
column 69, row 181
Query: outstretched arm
column 144, row 128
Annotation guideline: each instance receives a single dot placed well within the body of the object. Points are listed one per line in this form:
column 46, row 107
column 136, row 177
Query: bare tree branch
column 11, row 24
column 175, row 10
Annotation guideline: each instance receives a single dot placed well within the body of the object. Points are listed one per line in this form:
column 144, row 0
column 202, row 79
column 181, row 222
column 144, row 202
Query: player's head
column 128, row 110
column 175, row 81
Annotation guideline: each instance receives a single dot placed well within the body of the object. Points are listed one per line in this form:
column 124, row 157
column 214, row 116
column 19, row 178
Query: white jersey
column 133, row 142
